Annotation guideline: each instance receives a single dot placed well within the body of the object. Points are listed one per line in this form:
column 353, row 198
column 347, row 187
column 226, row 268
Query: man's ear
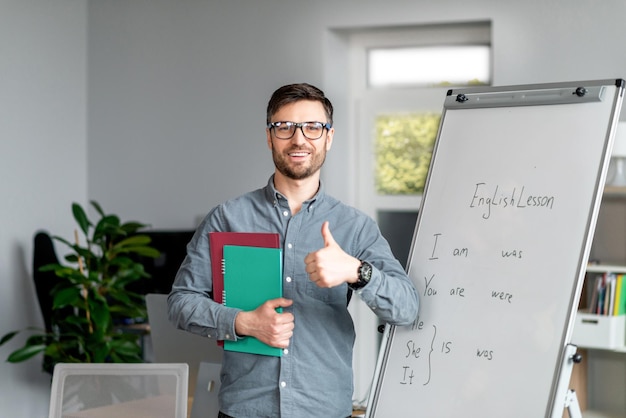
column 268, row 134
column 329, row 138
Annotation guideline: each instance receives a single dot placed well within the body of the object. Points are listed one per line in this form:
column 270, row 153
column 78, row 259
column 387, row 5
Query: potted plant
column 91, row 300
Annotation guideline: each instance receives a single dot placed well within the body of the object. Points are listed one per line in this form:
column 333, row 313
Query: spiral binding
column 223, row 275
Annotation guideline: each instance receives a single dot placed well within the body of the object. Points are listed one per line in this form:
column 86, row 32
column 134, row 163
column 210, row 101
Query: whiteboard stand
column 501, row 203
column 570, row 401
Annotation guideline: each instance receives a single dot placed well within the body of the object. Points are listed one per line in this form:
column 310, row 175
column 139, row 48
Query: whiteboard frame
column 512, row 96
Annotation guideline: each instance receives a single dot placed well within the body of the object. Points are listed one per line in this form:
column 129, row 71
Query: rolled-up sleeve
column 390, row 294
column 190, row 302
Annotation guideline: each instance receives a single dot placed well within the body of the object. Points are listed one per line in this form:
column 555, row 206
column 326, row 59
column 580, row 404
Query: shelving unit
column 604, row 340
column 604, row 343
column 600, row 332
column 614, row 192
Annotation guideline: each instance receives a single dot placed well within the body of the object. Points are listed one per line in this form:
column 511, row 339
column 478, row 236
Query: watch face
column 365, row 272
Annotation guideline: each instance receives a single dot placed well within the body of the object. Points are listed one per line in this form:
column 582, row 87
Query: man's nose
column 298, row 136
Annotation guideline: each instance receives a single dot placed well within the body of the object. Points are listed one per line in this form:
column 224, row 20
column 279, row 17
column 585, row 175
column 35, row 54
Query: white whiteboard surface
column 499, row 251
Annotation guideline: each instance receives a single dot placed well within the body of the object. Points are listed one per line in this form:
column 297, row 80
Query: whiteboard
column 499, row 252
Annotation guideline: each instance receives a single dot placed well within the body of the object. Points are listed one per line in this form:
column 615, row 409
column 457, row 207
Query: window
column 400, row 79
column 457, row 65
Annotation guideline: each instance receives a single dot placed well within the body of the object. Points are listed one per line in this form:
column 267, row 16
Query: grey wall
column 130, row 102
column 43, row 165
column 177, row 89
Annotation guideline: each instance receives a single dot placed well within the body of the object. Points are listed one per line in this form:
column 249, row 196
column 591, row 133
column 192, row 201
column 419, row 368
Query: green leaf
column 67, row 351
column 97, row 207
column 100, row 316
column 125, row 348
column 139, row 250
column 71, row 258
column 37, row 340
column 75, row 320
column 108, row 226
column 25, row 353
column 69, row 296
column 81, row 218
column 51, row 267
column 101, row 352
column 133, row 226
column 147, row 252
column 73, row 275
column 85, row 253
column 63, row 240
column 8, row 337
column 120, row 297
column 135, row 240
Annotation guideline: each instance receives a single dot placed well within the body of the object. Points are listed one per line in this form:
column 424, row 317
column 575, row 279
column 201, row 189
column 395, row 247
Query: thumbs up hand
column 331, row 266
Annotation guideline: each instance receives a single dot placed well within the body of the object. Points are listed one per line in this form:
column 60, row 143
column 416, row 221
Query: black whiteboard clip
column 461, row 98
column 580, row 91
column 570, row 401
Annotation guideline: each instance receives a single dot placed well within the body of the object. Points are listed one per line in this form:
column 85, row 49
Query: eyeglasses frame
column 300, row 125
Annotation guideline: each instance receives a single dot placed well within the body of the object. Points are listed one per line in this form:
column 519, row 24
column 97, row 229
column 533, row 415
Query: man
column 329, row 250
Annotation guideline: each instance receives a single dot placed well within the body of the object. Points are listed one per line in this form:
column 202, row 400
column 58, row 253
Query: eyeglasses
column 310, row 130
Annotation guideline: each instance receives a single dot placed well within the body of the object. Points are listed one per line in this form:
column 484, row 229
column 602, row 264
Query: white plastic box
column 600, row 331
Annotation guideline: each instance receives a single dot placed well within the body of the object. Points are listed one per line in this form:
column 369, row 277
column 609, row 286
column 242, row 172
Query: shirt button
column 289, row 245
column 227, row 336
column 286, row 213
column 288, row 279
column 283, row 384
column 286, row 351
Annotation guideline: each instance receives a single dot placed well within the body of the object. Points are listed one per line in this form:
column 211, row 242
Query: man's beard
column 298, row 171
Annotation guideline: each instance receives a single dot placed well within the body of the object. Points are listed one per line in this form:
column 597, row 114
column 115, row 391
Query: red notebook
column 217, row 240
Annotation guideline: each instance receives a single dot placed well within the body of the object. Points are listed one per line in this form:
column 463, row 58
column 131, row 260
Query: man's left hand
column 331, row 266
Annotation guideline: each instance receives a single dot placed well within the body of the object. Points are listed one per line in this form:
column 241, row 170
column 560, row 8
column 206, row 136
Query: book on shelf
column 252, row 276
column 217, row 241
column 608, row 295
column 620, row 296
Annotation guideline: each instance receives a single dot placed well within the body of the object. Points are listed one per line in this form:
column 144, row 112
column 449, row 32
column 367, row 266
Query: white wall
column 165, row 79
column 43, row 166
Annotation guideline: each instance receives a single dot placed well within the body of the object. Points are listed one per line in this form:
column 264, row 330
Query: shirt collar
column 274, row 195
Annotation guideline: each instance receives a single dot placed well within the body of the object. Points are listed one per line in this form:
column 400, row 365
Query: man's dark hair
column 295, row 92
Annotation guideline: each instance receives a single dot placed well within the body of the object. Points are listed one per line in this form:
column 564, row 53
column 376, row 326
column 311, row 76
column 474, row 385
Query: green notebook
column 252, row 275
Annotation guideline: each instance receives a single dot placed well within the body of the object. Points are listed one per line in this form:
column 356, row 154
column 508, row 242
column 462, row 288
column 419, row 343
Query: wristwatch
column 364, row 273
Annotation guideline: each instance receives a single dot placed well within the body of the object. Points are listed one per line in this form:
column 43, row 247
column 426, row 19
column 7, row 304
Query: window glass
column 429, row 65
column 403, row 148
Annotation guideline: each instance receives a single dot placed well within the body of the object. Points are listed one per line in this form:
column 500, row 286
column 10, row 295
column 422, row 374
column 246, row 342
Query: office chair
column 44, row 253
column 137, row 390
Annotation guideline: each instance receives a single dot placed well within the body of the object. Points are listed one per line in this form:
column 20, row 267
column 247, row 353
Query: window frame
column 367, row 101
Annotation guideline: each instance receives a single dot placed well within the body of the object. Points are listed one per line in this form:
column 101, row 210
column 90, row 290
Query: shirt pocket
column 331, row 296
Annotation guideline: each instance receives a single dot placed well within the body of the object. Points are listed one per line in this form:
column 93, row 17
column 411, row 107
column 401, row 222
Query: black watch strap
column 364, row 275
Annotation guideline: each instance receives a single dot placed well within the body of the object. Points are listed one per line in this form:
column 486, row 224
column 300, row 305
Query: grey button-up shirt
column 314, row 375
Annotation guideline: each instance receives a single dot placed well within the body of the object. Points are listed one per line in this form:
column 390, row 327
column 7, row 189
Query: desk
column 358, row 413
column 162, row 406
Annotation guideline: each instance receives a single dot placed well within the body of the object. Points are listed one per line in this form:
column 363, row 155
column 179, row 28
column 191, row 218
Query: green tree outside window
column 404, row 146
